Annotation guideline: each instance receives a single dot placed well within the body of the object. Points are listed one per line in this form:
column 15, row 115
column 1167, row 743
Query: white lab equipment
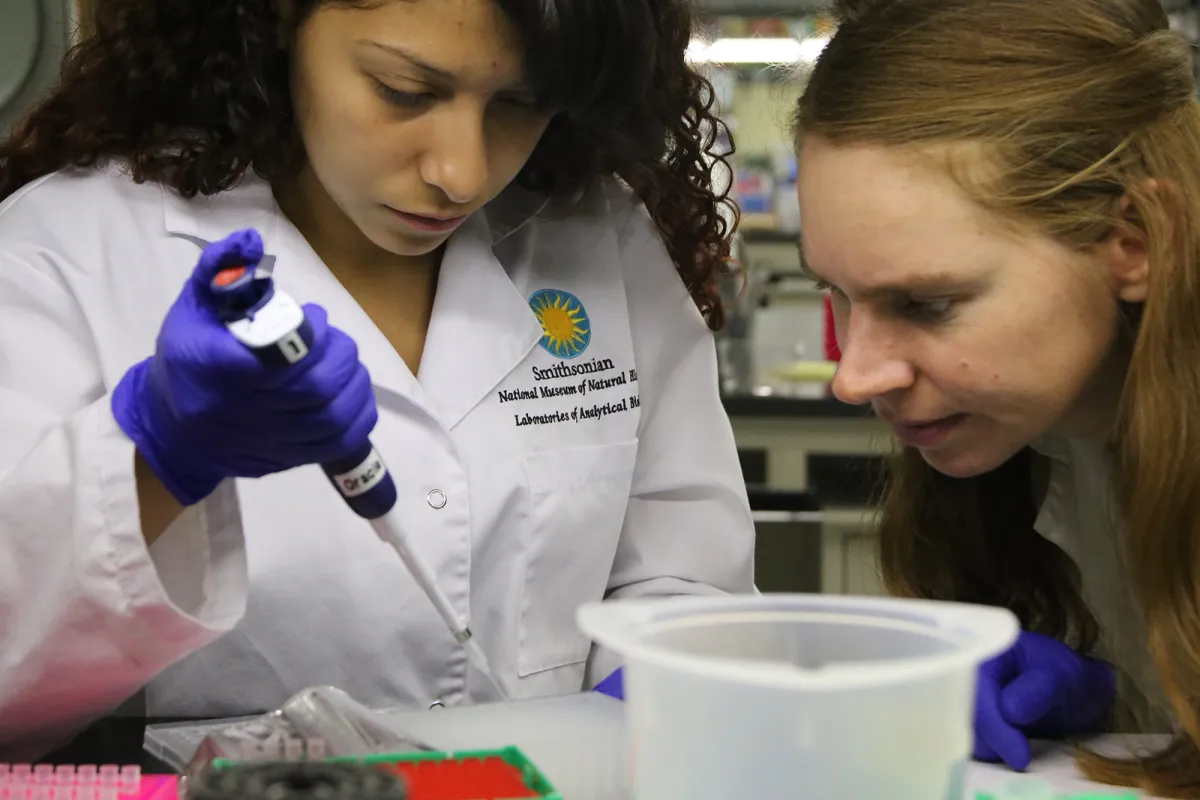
column 785, row 696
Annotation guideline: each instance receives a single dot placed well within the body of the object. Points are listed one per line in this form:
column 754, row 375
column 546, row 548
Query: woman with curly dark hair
column 503, row 209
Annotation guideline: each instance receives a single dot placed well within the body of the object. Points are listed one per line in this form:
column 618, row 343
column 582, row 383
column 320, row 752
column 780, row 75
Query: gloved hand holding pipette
column 246, row 383
column 203, row 408
column 1038, row 689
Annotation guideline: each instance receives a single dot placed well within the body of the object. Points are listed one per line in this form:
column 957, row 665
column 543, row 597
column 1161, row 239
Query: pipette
column 272, row 325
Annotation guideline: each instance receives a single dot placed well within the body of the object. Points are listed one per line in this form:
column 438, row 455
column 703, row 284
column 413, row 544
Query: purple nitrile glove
column 1040, row 689
column 613, row 685
column 203, row 408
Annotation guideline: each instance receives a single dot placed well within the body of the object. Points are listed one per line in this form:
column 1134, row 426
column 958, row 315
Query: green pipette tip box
column 537, row 785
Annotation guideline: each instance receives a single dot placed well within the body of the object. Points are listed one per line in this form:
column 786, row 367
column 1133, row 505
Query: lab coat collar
column 482, row 326
column 208, row 219
column 1049, row 447
column 511, row 209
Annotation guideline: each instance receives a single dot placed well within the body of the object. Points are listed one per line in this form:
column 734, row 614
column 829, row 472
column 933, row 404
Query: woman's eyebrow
column 432, row 71
column 927, row 283
column 399, row 52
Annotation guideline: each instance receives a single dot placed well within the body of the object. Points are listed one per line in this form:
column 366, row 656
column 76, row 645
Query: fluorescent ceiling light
column 757, row 50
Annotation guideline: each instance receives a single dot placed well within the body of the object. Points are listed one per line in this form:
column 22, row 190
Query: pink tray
column 85, row 782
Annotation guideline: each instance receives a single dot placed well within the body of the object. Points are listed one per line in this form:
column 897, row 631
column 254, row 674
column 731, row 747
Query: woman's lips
column 428, row 224
column 927, row 433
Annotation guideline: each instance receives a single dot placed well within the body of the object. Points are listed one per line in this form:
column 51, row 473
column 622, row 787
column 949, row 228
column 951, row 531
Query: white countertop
column 1055, row 764
column 579, row 741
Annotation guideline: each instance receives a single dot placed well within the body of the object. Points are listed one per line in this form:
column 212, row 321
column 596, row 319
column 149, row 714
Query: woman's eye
column 929, row 311
column 403, row 99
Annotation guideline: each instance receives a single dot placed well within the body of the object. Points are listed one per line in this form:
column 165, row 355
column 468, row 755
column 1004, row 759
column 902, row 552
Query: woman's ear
column 1126, row 255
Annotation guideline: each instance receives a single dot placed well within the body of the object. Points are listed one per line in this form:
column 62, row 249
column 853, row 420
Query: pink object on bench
column 85, row 782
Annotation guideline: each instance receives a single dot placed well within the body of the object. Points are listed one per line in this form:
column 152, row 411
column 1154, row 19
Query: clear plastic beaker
column 798, row 696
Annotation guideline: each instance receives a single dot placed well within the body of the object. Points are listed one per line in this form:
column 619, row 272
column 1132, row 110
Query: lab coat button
column 436, row 499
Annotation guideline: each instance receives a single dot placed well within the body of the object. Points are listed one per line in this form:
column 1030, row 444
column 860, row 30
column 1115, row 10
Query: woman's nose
column 457, row 162
column 872, row 363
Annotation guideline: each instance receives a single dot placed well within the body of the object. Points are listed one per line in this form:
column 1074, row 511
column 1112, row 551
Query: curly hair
column 192, row 94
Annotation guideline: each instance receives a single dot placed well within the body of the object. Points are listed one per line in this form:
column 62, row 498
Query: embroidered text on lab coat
column 613, row 393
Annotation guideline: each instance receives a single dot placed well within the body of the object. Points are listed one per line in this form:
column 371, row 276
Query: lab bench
column 606, row 750
column 830, row 453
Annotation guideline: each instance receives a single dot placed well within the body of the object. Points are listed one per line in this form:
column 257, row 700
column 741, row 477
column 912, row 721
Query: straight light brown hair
column 1077, row 106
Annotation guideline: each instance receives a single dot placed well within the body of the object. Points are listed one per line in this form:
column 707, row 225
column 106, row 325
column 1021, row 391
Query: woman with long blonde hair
column 1003, row 197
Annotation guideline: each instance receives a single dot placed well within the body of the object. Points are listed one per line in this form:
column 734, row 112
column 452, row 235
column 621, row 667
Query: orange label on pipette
column 228, row 277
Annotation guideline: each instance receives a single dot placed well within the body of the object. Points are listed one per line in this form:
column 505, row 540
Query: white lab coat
column 273, row 585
